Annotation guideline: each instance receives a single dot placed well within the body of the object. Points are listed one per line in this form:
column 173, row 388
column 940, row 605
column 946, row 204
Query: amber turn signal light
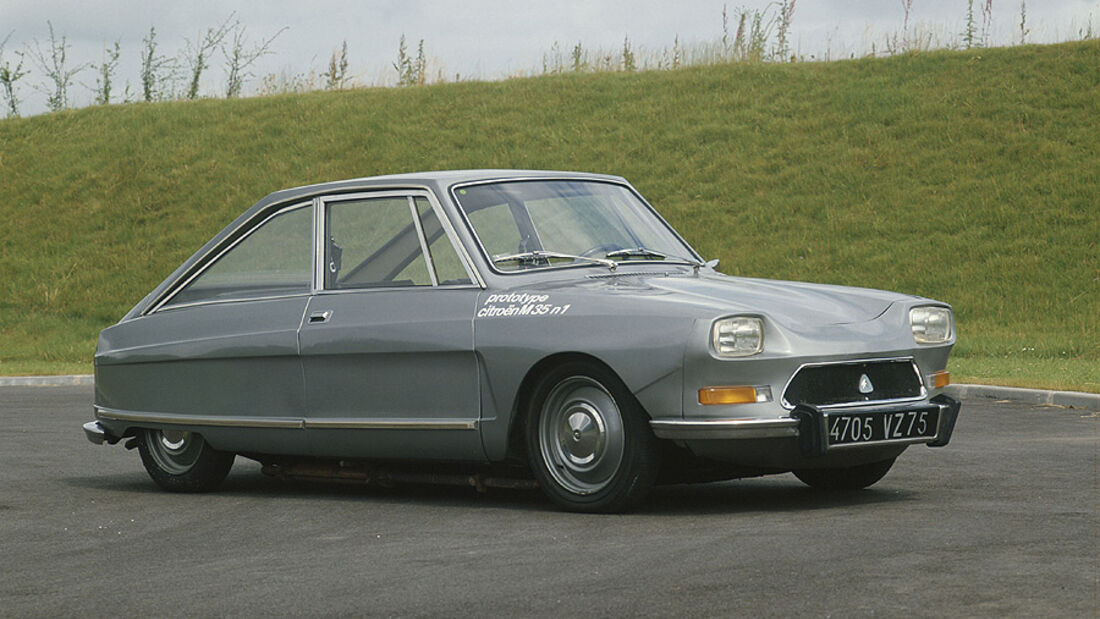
column 940, row 379
column 727, row 395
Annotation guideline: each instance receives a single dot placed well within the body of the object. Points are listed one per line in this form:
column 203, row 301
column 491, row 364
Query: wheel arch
column 521, row 404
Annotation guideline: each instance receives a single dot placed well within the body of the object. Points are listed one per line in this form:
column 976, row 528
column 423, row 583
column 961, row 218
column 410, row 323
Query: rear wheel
column 589, row 441
column 848, row 478
column 181, row 461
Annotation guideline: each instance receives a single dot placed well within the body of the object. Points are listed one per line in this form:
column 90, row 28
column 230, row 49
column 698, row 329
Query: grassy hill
column 971, row 177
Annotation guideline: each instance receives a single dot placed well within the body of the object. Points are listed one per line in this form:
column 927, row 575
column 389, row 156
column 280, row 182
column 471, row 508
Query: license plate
column 852, row 428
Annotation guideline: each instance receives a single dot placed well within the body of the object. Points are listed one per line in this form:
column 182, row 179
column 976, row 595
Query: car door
column 387, row 342
column 222, row 350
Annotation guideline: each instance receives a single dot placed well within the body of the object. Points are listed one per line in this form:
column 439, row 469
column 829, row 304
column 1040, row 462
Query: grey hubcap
column 581, row 435
column 174, row 451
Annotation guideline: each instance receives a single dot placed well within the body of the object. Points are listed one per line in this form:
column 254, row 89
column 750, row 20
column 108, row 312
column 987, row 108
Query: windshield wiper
column 538, row 255
column 636, row 252
column 649, row 254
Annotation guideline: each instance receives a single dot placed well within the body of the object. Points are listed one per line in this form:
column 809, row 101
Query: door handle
column 317, row 318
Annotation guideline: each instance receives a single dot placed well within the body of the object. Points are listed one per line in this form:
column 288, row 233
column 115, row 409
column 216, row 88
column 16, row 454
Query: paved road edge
column 1073, row 399
column 47, row 381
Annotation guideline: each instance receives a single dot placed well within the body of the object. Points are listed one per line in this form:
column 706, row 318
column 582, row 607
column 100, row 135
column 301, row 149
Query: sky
column 478, row 39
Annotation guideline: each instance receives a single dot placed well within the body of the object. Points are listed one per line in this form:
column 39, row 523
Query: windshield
column 536, row 224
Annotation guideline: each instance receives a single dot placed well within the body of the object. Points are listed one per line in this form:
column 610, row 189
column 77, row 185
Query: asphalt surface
column 1004, row 521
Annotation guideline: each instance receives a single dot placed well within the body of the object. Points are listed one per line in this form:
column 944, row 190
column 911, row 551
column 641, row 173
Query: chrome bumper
column 680, row 429
column 99, row 435
column 95, row 432
column 804, row 425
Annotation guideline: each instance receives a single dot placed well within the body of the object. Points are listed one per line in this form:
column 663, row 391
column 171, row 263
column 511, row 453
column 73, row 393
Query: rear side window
column 274, row 259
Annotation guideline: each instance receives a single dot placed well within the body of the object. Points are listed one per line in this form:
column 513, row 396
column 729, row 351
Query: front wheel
column 847, row 478
column 181, row 461
column 589, row 441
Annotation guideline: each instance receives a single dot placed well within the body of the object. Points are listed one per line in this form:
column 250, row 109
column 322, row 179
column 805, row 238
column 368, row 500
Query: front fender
column 646, row 351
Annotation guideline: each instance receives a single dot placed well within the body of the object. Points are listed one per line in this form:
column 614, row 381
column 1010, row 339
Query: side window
column 275, row 258
column 448, row 266
column 373, row 242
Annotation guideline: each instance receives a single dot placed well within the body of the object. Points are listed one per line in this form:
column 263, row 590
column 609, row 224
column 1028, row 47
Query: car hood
column 794, row 303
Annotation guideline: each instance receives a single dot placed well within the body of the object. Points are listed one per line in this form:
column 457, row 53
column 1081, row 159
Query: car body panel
column 373, row 360
column 156, row 365
column 603, row 323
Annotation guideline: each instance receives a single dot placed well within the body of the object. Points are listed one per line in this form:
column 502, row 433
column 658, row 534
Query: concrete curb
column 46, row 381
column 1071, row 399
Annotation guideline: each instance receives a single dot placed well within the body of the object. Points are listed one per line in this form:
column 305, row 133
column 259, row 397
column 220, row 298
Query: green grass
column 970, row 177
column 1022, row 371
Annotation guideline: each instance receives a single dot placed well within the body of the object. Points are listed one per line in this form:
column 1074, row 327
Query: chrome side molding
column 288, row 423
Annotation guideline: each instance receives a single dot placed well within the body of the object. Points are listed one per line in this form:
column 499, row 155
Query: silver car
column 509, row 328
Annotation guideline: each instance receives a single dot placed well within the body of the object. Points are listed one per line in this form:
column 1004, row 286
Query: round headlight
column 931, row 325
column 738, row 336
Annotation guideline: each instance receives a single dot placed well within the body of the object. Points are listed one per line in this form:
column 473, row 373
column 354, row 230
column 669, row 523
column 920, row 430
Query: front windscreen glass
column 537, row 224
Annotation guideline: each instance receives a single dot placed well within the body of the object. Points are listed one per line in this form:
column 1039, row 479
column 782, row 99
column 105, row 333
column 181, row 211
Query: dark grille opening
column 823, row 385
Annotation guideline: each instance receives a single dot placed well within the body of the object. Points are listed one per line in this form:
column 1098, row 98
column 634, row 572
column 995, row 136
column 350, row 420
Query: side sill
column 199, row 420
column 391, row 424
column 679, row 429
column 290, row 423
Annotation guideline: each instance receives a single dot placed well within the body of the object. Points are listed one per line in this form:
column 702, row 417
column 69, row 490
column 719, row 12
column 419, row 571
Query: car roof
column 439, row 179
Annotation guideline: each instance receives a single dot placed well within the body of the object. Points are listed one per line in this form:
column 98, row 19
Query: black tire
column 588, row 440
column 182, row 461
column 848, row 478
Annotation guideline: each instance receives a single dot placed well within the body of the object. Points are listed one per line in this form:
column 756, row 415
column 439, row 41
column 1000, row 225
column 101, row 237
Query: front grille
column 840, row 383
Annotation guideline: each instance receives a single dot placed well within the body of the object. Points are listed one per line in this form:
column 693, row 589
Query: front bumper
column 724, row 429
column 806, row 424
